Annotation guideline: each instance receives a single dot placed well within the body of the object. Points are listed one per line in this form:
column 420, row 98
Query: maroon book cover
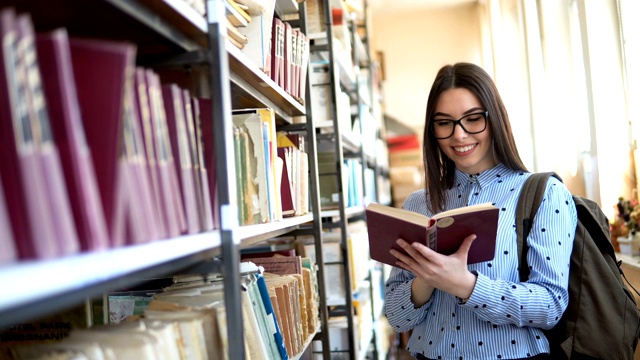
column 288, row 69
column 142, row 108
column 140, row 222
column 68, row 132
column 56, row 188
column 267, row 254
column 180, row 146
column 281, row 265
column 286, row 193
column 208, row 149
column 8, row 250
column 20, row 166
column 199, row 169
column 101, row 69
column 277, row 52
column 443, row 233
column 167, row 176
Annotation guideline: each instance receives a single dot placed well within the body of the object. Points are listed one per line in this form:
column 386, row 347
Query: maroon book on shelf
column 199, row 168
column 140, row 219
column 295, row 66
column 167, row 173
column 443, row 233
column 277, row 52
column 180, row 145
column 8, row 250
column 142, row 107
column 56, row 188
column 20, row 165
column 208, row 149
column 101, row 69
column 281, row 265
column 68, row 131
column 286, row 192
column 288, row 68
column 267, row 254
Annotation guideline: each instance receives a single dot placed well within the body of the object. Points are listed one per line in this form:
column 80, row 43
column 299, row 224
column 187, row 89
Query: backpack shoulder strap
column 529, row 201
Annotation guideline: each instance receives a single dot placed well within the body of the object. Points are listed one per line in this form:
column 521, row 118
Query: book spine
column 273, row 323
column 432, row 237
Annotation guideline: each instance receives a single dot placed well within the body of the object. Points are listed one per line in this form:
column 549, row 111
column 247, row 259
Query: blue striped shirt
column 503, row 318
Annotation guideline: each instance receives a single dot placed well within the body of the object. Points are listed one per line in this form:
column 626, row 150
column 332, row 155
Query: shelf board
column 253, row 234
column 182, row 15
column 176, row 22
column 350, row 212
column 286, row 8
column 350, row 145
column 182, row 24
column 306, row 344
column 249, row 78
column 35, row 288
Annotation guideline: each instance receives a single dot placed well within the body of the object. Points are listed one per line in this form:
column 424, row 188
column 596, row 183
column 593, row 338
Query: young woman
column 479, row 311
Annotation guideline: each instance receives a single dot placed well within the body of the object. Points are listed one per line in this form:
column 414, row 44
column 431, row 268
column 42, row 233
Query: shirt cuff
column 464, row 301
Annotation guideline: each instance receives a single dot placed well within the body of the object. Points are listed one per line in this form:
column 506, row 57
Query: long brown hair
column 439, row 169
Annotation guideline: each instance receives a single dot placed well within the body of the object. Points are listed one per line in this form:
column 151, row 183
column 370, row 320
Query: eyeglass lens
column 472, row 124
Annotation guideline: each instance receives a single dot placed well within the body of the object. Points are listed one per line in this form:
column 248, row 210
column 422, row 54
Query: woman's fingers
column 466, row 245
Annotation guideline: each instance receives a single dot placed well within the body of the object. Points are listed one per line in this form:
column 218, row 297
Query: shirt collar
column 483, row 178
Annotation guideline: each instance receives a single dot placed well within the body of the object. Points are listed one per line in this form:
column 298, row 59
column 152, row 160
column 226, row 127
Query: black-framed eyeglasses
column 471, row 123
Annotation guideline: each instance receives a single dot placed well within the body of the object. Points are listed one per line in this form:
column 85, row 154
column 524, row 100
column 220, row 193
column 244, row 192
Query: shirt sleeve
column 398, row 308
column 541, row 300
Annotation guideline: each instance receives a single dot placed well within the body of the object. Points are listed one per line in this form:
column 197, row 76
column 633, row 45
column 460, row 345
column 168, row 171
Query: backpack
column 602, row 320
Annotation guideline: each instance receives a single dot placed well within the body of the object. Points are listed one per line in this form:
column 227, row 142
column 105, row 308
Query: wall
column 415, row 45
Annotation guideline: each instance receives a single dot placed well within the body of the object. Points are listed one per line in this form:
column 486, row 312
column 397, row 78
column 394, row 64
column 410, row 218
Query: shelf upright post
column 355, row 57
column 370, row 67
column 312, row 152
column 225, row 172
column 342, row 204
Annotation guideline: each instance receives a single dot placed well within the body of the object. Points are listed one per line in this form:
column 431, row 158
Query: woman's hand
column 448, row 273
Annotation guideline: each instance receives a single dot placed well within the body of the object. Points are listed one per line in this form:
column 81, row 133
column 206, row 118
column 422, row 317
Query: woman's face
column 471, row 153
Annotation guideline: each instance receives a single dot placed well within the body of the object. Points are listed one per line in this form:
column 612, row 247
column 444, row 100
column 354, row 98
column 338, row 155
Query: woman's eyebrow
column 473, row 109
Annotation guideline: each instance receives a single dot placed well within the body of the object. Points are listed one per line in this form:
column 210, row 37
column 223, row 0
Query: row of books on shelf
column 187, row 320
column 98, row 153
column 272, row 168
column 277, row 48
column 352, row 181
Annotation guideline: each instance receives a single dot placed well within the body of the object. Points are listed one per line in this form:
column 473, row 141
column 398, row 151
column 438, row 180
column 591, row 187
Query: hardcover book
column 20, row 166
column 179, row 140
column 55, row 186
column 68, row 130
column 200, row 167
column 443, row 233
column 142, row 106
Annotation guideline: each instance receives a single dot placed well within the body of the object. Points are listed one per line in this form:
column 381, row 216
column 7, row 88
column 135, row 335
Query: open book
column 443, row 233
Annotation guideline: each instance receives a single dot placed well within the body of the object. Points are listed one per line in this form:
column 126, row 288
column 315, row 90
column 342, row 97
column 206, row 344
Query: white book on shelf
column 258, row 33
